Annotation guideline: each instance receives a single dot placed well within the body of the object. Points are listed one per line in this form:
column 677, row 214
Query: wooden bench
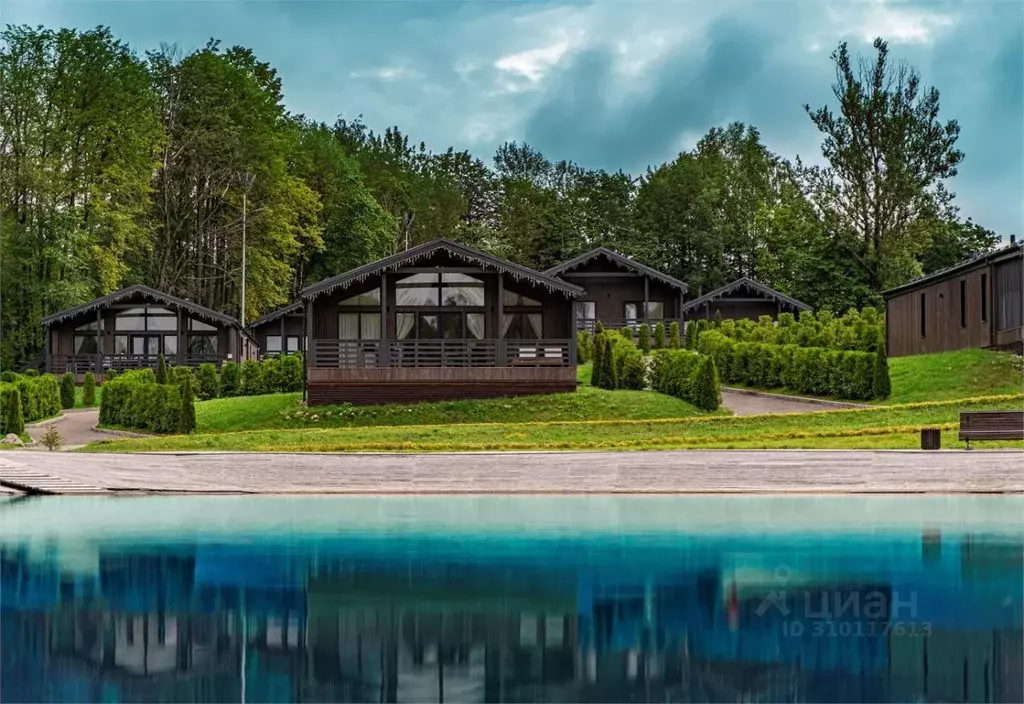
column 991, row 425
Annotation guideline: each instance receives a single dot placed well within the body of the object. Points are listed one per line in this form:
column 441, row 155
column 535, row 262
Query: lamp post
column 245, row 180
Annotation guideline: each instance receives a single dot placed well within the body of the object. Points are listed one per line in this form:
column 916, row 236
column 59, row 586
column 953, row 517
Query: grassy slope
column 587, row 403
column 847, row 428
column 949, row 375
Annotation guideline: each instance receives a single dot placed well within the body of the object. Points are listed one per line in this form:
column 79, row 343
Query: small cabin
column 620, row 292
column 977, row 303
column 743, row 298
column 280, row 331
column 131, row 328
column 438, row 321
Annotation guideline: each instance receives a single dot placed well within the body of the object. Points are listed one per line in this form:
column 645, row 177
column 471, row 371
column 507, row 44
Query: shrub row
column 687, row 375
column 811, row 370
column 277, row 374
column 855, row 330
column 38, row 398
column 135, row 400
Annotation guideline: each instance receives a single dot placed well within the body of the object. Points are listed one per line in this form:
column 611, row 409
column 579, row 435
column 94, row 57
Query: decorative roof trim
column 1008, row 252
column 619, row 259
column 141, row 289
column 750, row 285
column 459, row 251
column 275, row 314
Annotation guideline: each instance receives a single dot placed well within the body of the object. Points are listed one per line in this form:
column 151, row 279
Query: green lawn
column 78, row 397
column 959, row 374
column 284, row 411
column 875, row 427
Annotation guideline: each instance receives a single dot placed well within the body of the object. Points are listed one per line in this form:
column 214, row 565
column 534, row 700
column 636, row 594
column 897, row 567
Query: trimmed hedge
column 67, row 390
column 135, row 400
column 855, row 330
column 89, row 389
column 811, row 370
column 687, row 375
column 10, row 402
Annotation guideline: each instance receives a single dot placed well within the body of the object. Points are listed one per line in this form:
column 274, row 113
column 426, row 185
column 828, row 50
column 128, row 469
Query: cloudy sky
column 608, row 83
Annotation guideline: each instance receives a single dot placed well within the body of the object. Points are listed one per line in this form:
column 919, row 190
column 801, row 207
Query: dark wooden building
column 978, row 303
column 279, row 331
column 743, row 298
column 620, row 291
column 439, row 321
column 131, row 328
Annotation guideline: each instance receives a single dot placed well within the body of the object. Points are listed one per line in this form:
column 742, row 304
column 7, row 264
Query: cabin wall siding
column 292, row 328
column 610, row 295
column 1008, row 278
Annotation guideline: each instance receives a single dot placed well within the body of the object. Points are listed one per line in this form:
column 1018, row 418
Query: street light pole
column 246, row 180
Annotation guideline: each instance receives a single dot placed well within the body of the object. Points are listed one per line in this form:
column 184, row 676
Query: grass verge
column 835, row 428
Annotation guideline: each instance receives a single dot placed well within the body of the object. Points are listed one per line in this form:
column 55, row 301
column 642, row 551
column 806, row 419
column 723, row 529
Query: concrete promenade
column 712, row 471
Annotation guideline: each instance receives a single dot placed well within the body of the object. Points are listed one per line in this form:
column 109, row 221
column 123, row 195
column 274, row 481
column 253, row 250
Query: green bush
column 161, row 370
column 138, row 376
column 583, row 352
column 718, row 318
column 292, row 366
column 812, row 370
column 178, row 375
column 705, row 388
column 627, row 333
column 155, row 407
column 109, row 375
column 691, row 335
column 659, row 336
column 252, row 378
column 881, row 384
column 14, row 420
column 645, row 338
column 89, row 389
column 674, row 341
column 230, row 379
column 598, row 328
column 8, row 377
column 187, row 409
column 634, row 371
column 67, row 390
column 31, row 373
column 595, row 374
column 208, row 381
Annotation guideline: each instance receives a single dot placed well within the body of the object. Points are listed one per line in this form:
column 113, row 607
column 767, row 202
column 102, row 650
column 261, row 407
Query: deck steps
column 33, row 481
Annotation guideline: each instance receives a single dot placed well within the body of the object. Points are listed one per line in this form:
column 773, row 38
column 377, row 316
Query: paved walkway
column 743, row 404
column 712, row 471
column 76, row 427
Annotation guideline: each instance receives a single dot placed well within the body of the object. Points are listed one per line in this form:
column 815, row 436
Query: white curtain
column 348, row 326
column 404, row 323
column 475, row 325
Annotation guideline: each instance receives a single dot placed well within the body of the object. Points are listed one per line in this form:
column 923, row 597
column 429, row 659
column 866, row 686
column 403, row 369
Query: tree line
column 119, row 168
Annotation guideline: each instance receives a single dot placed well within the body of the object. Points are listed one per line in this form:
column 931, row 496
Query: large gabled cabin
column 742, row 298
column 131, row 328
column 438, row 321
column 977, row 303
column 620, row 292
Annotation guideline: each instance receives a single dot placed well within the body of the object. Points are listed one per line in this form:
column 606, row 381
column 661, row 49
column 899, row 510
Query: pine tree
column 705, row 391
column 89, row 390
column 627, row 333
column 14, row 421
column 673, row 335
column 187, row 417
column 691, row 335
column 598, row 367
column 882, row 383
column 161, row 370
column 609, row 378
column 659, row 336
column 645, row 338
column 67, row 390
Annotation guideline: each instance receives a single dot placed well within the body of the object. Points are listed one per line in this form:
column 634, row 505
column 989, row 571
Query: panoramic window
column 369, row 298
column 586, row 310
column 86, row 344
column 359, row 326
column 200, row 326
column 655, row 309
column 202, row 345
column 523, row 326
column 293, row 344
column 511, row 298
column 145, row 318
column 273, row 344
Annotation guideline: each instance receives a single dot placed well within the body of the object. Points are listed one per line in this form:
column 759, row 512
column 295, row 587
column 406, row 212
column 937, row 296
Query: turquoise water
column 422, row 599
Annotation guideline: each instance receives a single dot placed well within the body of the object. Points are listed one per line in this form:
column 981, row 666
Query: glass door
column 146, row 345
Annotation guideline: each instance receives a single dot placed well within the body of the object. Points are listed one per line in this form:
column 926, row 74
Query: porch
column 80, row 364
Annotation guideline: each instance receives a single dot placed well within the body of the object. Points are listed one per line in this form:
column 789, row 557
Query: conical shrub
column 187, row 417
column 67, row 390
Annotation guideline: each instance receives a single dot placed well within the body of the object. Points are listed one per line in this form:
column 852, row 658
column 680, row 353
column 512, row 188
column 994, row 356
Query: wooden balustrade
column 411, row 354
column 82, row 363
column 589, row 324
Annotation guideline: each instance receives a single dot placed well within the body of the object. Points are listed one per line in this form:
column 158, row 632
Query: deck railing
column 82, row 363
column 588, row 324
column 361, row 354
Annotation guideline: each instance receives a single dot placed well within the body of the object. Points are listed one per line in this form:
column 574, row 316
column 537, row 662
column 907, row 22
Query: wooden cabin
column 743, row 298
column 131, row 328
column 280, row 331
column 439, row 321
column 620, row 292
column 978, row 303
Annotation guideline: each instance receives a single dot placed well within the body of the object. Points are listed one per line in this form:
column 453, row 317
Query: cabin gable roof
column 618, row 259
column 146, row 292
column 745, row 284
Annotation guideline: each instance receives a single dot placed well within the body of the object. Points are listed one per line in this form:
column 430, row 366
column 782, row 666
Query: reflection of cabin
column 131, row 328
column 743, row 298
column 978, row 303
column 279, row 331
column 439, row 321
column 620, row 291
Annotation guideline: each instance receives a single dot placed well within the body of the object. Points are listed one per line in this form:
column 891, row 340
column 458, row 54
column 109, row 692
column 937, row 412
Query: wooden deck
column 737, row 471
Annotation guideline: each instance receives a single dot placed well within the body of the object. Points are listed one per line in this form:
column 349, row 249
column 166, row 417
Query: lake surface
column 518, row 599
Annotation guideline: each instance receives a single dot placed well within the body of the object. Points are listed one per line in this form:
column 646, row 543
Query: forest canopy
column 119, row 168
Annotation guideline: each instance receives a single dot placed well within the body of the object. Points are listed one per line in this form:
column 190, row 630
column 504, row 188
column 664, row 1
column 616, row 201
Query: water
column 406, row 599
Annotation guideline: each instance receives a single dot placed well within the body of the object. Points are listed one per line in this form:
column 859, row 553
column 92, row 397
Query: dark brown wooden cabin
column 978, row 303
column 743, row 298
column 439, row 321
column 279, row 331
column 131, row 328
column 620, row 291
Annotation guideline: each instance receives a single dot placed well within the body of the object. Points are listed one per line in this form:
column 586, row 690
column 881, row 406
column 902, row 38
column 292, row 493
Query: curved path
column 747, row 404
column 76, row 427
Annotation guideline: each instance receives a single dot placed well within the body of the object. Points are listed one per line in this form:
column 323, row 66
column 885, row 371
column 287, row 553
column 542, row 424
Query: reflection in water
column 380, row 604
